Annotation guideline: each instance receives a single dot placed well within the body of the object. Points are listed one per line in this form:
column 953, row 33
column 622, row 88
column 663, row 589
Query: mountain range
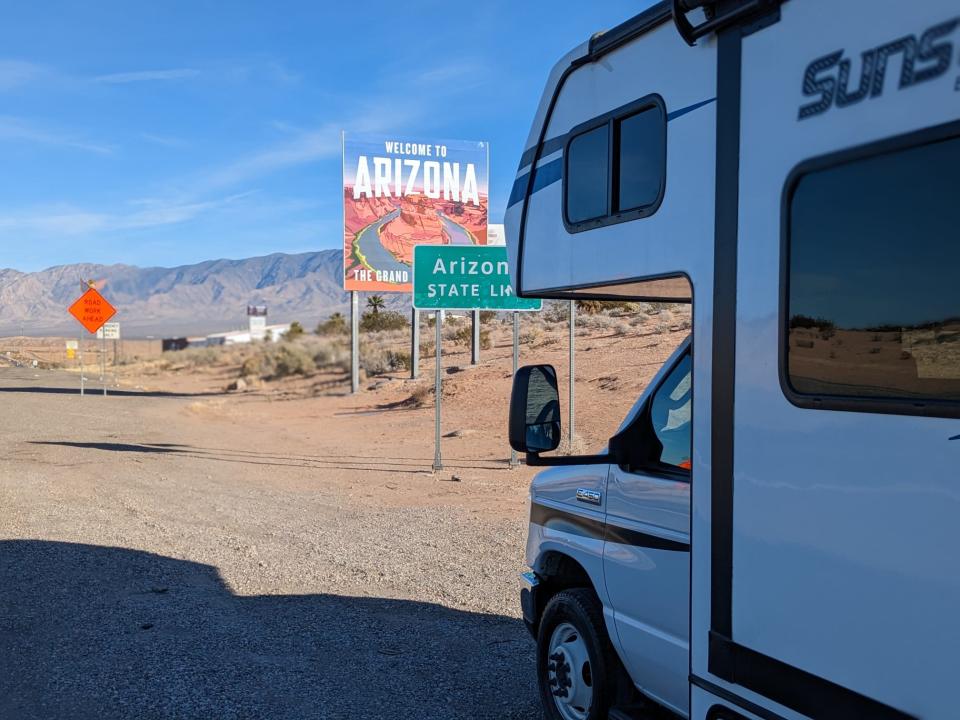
column 197, row 299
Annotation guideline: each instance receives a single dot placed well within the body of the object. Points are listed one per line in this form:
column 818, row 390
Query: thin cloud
column 70, row 222
column 311, row 145
column 13, row 128
column 164, row 140
column 146, row 76
column 450, row 72
column 14, row 73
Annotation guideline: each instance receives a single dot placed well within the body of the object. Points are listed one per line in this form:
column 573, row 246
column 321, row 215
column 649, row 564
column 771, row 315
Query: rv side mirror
column 535, row 410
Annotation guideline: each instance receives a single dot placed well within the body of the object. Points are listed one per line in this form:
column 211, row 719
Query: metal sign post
column 354, row 341
column 573, row 322
column 516, row 364
column 455, row 277
column 414, row 344
column 80, row 353
column 475, row 336
column 92, row 311
column 437, row 461
column 103, row 362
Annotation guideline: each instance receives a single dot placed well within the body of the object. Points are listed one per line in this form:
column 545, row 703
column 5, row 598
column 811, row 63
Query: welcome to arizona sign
column 402, row 192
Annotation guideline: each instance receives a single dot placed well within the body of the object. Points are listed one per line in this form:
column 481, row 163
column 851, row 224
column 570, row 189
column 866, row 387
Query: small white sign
column 73, row 345
column 109, row 331
column 258, row 327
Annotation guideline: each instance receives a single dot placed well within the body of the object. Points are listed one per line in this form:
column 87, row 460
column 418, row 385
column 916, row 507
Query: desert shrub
column 598, row 322
column 463, row 336
column 336, row 324
column 383, row 320
column 199, row 357
column 294, row 331
column 292, row 360
column 804, row 343
column 531, row 336
column 378, row 360
column 487, row 316
column 427, row 347
column 621, row 328
column 555, row 312
column 638, row 321
column 332, row 354
column 399, row 360
column 255, row 366
column 591, row 307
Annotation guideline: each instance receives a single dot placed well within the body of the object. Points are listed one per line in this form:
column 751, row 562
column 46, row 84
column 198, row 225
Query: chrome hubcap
column 569, row 673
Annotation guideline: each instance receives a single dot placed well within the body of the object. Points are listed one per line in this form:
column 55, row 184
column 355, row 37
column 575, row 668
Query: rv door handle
column 589, row 496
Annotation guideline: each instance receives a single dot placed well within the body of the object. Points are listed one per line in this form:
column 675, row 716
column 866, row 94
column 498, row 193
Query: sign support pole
column 516, row 363
column 437, row 461
column 414, row 344
column 103, row 360
column 80, row 353
column 475, row 335
column 354, row 341
column 573, row 322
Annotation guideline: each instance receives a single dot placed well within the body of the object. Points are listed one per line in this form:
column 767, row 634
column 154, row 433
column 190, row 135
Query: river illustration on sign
column 399, row 193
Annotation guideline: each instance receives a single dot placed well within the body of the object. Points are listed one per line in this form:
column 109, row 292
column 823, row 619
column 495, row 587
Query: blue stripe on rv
column 552, row 171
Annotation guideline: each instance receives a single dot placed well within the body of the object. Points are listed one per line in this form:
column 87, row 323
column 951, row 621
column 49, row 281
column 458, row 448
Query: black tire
column 581, row 608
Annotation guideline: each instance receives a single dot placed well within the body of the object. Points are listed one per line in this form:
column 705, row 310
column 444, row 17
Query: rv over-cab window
column 587, row 175
column 615, row 166
column 873, row 298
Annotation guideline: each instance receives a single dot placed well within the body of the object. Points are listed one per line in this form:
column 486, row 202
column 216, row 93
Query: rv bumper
column 530, row 583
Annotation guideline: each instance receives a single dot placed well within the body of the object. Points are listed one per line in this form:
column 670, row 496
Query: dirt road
column 181, row 556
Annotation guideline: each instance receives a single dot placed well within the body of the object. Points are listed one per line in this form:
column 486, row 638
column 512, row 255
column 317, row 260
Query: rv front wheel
column 577, row 668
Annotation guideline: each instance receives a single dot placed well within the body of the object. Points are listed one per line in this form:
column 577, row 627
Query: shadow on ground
column 250, row 457
column 95, row 390
column 101, row 632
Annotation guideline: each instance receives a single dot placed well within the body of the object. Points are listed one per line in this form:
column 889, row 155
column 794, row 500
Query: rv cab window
column 873, row 302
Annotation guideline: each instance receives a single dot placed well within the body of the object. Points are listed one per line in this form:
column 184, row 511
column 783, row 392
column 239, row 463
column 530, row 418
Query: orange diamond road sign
column 92, row 310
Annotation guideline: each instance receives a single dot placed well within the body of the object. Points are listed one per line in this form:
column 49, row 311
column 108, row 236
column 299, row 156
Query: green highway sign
column 464, row 277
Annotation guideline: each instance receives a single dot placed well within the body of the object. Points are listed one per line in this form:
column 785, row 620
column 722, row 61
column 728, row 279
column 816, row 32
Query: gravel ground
column 141, row 577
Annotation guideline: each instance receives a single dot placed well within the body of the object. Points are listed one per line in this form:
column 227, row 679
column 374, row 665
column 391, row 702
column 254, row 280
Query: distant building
column 271, row 333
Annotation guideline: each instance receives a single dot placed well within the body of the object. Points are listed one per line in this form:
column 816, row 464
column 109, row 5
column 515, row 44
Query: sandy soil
column 173, row 550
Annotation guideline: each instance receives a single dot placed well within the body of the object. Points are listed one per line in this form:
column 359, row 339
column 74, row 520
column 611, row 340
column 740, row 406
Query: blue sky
column 168, row 133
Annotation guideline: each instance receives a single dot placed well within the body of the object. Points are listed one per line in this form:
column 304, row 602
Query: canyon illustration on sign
column 402, row 192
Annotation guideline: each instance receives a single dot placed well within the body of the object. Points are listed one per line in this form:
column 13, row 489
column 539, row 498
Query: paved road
column 154, row 564
column 377, row 256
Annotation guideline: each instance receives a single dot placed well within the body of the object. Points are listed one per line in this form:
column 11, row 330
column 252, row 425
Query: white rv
column 774, row 531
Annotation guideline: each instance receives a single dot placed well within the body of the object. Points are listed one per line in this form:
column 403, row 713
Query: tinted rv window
column 641, row 153
column 873, row 298
column 588, row 159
